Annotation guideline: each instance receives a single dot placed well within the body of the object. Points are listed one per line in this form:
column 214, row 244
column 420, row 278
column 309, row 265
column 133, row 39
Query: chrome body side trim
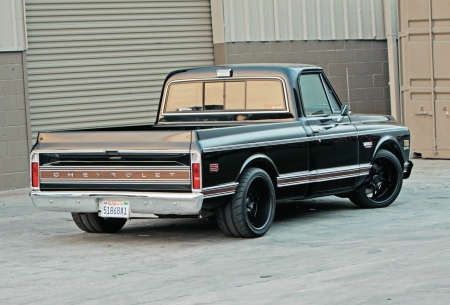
column 294, row 178
column 323, row 175
column 336, row 135
column 220, row 190
column 145, row 203
column 397, row 128
column 255, row 144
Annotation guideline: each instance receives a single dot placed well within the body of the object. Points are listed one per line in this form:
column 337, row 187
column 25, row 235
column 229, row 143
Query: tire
column 92, row 223
column 251, row 210
column 382, row 185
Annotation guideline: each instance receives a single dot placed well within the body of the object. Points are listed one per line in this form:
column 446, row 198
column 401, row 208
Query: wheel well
column 265, row 166
column 391, row 147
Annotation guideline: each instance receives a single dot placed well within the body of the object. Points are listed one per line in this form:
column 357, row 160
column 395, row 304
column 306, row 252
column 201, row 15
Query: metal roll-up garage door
column 94, row 63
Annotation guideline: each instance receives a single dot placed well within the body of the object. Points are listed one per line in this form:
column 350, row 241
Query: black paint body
column 282, row 143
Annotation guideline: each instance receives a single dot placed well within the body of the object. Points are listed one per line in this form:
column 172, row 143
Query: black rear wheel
column 382, row 185
column 92, row 223
column 251, row 209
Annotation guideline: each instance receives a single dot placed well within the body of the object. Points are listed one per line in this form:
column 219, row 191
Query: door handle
column 324, row 128
column 423, row 112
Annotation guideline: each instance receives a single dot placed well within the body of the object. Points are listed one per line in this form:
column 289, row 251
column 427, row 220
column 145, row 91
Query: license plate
column 114, row 209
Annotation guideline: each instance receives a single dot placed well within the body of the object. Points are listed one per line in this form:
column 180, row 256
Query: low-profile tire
column 251, row 210
column 92, row 223
column 382, row 185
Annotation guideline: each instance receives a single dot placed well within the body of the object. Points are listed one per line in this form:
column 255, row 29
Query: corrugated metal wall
column 103, row 62
column 13, row 36
column 282, row 20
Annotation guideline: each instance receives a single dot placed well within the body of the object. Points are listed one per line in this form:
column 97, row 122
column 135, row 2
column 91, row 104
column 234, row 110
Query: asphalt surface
column 321, row 251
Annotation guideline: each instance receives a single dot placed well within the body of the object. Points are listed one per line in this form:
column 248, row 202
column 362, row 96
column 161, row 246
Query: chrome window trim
column 163, row 106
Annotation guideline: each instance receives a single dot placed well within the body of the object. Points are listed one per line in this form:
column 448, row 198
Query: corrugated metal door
column 425, row 61
column 103, row 62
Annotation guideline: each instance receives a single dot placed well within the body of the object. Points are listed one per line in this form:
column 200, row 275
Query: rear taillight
column 196, row 176
column 35, row 174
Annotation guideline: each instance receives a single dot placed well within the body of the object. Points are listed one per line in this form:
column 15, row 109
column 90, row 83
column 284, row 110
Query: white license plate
column 114, row 209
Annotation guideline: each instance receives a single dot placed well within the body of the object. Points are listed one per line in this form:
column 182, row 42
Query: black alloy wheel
column 251, row 209
column 382, row 185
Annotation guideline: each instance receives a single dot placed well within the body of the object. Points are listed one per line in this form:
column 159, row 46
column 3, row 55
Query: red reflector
column 196, row 176
column 34, row 174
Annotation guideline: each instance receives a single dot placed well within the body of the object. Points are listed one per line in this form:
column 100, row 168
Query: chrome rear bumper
column 144, row 203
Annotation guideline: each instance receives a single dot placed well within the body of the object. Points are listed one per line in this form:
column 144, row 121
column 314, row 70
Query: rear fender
column 261, row 161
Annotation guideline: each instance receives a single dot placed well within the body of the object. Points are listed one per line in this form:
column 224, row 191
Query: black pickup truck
column 229, row 142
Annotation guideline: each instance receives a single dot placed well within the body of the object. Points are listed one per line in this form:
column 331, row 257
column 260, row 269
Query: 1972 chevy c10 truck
column 228, row 141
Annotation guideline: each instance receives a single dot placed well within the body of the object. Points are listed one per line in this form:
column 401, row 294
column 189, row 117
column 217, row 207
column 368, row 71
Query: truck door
column 335, row 150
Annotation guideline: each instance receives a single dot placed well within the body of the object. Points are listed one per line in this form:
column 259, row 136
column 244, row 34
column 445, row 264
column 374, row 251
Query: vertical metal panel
column 103, row 62
column 13, row 35
column 249, row 21
column 425, row 45
column 283, row 20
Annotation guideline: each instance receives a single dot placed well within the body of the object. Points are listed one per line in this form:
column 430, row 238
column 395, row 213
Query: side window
column 313, row 95
column 334, row 104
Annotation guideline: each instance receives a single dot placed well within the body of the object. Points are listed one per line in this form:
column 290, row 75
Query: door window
column 334, row 104
column 315, row 101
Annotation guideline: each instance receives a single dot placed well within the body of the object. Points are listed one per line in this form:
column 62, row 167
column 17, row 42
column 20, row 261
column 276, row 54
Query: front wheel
column 382, row 185
column 92, row 223
column 251, row 209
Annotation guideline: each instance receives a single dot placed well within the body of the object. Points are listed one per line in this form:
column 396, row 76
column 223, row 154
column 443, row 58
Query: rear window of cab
column 226, row 96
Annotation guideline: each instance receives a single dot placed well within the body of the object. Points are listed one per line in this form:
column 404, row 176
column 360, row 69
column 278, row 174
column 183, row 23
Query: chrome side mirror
column 344, row 112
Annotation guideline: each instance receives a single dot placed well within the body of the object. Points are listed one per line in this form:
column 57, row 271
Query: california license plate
column 114, row 209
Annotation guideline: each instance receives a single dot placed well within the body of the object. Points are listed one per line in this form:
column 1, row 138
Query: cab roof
column 243, row 70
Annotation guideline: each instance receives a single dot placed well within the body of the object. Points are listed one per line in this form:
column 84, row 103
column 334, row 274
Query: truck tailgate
column 115, row 140
column 114, row 160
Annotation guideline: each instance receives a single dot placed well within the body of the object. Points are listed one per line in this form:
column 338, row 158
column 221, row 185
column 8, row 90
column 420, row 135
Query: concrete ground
column 322, row 251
